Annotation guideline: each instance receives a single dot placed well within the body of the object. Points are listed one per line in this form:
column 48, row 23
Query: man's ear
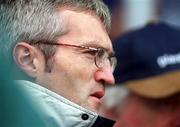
column 26, row 58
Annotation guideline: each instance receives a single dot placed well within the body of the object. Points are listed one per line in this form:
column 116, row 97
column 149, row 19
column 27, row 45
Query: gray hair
column 32, row 21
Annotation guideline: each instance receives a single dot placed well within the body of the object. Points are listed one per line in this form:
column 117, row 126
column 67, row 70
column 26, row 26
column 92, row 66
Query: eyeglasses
column 101, row 56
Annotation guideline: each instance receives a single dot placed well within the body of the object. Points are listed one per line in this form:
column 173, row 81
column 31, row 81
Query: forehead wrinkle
column 92, row 42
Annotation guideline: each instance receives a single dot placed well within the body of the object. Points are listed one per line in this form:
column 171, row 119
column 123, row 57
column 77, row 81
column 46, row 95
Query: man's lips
column 98, row 94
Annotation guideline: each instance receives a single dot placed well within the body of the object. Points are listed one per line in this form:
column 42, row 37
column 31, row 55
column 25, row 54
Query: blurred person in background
column 60, row 62
column 148, row 69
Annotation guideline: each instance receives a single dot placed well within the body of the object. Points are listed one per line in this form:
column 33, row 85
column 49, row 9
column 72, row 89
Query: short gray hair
column 32, row 21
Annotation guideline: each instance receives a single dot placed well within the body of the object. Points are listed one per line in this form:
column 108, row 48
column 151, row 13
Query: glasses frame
column 111, row 57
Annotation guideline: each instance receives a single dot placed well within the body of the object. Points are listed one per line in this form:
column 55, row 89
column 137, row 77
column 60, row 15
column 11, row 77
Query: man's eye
column 91, row 52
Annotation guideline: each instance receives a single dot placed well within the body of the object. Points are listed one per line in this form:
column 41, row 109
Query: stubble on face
column 72, row 76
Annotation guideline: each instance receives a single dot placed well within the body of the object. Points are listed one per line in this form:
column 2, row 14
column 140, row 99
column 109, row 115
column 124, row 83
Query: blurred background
column 133, row 14
column 123, row 105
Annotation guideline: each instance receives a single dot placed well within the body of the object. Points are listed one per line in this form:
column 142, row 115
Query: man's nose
column 105, row 75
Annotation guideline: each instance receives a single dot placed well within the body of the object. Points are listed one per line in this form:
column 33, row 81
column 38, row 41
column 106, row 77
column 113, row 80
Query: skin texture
column 73, row 72
column 141, row 112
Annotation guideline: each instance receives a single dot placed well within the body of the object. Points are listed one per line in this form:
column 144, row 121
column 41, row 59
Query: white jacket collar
column 55, row 109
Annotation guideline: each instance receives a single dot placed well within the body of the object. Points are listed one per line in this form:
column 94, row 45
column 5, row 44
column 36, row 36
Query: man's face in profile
column 74, row 74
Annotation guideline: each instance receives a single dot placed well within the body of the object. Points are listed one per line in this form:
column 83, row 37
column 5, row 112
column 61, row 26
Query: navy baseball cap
column 148, row 60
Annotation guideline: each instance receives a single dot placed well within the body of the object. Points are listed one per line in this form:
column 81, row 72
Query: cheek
column 86, row 72
column 74, row 73
column 76, row 66
column 131, row 116
column 83, row 70
column 135, row 115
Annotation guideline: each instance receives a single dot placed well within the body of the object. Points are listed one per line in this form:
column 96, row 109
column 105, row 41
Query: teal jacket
column 57, row 111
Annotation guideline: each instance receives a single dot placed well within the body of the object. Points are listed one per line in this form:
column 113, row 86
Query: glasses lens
column 99, row 59
column 113, row 62
column 103, row 58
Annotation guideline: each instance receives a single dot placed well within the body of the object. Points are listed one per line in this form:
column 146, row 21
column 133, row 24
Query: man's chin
column 94, row 104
